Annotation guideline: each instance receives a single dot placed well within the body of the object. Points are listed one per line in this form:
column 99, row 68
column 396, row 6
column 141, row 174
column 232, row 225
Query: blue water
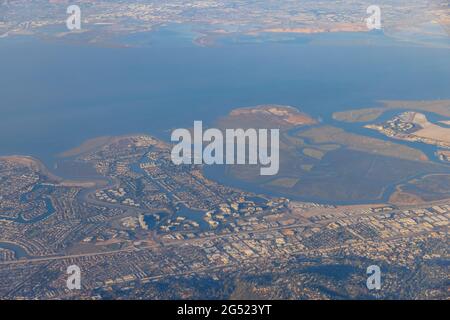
column 50, row 209
column 19, row 251
column 56, row 95
column 193, row 215
column 181, row 209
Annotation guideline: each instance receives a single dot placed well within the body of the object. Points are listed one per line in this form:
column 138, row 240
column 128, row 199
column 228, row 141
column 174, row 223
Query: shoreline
column 284, row 114
column 40, row 167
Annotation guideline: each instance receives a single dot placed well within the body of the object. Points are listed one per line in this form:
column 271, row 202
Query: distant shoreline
column 40, row 167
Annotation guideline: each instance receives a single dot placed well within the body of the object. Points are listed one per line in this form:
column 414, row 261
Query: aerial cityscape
column 341, row 164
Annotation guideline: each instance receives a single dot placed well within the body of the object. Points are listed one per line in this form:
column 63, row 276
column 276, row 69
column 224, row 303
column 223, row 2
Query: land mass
column 159, row 230
column 440, row 107
column 266, row 116
column 415, row 127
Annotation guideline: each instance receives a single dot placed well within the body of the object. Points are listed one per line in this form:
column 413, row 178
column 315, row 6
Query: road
column 161, row 245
